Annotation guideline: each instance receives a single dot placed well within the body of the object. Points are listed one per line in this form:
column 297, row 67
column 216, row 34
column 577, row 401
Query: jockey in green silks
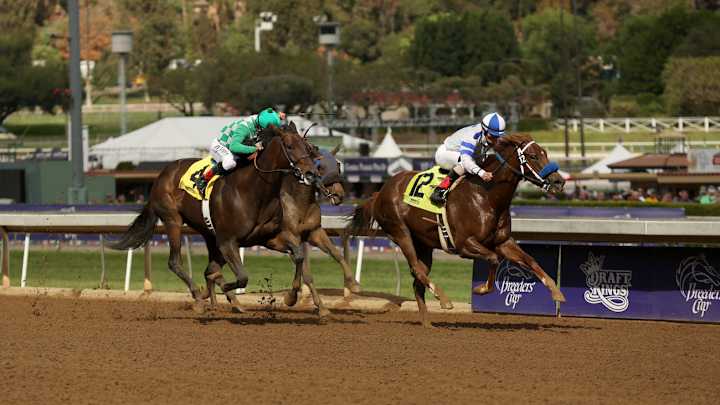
column 237, row 138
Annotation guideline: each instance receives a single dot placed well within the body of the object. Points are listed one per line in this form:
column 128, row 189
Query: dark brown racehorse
column 478, row 216
column 244, row 208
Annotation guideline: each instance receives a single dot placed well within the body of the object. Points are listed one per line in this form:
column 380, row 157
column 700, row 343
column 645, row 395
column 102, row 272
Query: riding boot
column 439, row 195
column 205, row 178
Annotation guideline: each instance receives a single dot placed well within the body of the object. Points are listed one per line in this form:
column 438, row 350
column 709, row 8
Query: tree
column 644, row 45
column 692, row 86
column 703, row 39
column 360, row 39
column 179, row 87
column 463, row 44
column 23, row 85
column 293, row 92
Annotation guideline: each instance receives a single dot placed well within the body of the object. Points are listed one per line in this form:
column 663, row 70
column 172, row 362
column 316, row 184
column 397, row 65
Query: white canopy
column 181, row 137
column 388, row 147
column 618, row 153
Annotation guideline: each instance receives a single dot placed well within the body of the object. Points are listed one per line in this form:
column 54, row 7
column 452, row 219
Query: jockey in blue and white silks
column 456, row 153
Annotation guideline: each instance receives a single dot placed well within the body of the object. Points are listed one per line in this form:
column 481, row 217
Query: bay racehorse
column 244, row 207
column 478, row 215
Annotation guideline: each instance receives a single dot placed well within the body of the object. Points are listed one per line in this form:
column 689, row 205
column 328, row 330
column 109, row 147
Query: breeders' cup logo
column 608, row 287
column 512, row 280
column 699, row 283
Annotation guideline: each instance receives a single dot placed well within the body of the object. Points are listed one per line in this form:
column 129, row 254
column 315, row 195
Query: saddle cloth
column 418, row 191
column 189, row 179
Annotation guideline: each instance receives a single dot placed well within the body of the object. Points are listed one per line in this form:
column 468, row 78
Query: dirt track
column 76, row 351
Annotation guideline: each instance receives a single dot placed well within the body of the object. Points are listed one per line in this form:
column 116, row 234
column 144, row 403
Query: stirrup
column 439, row 196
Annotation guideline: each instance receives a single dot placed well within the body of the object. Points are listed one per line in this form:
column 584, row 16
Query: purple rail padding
column 343, row 210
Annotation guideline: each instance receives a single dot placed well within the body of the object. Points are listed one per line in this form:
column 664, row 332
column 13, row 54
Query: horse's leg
column 512, row 251
column 425, row 256
column 230, row 251
column 287, row 242
column 174, row 233
column 473, row 249
column 319, row 238
column 213, row 274
column 401, row 237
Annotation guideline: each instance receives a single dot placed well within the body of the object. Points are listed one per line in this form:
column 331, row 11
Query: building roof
column 618, row 154
column 672, row 161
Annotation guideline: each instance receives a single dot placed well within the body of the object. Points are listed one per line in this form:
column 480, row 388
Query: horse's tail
column 362, row 217
column 139, row 232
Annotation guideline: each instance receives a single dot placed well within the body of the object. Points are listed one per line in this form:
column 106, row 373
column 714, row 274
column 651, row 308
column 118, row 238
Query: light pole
column 329, row 37
column 264, row 23
column 122, row 45
column 76, row 194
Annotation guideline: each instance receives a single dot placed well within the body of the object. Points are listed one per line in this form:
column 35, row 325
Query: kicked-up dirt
column 68, row 351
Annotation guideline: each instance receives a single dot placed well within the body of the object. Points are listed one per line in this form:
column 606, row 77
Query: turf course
column 48, row 267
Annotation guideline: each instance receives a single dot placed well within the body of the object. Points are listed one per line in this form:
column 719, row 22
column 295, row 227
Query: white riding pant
column 222, row 155
column 449, row 159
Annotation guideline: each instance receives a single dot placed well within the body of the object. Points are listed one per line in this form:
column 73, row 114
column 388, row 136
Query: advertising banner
column 635, row 282
column 517, row 290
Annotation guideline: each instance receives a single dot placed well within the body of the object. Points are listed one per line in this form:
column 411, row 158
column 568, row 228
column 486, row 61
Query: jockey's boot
column 439, row 195
column 205, row 178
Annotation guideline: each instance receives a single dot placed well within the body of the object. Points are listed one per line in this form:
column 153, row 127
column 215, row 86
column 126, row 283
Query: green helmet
column 268, row 117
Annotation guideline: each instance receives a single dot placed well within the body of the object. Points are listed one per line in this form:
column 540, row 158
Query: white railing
column 680, row 124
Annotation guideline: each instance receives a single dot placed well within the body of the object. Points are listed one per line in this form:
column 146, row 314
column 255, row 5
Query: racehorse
column 244, row 208
column 478, row 215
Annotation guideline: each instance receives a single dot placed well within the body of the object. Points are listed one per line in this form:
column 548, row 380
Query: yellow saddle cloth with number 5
column 188, row 181
column 418, row 191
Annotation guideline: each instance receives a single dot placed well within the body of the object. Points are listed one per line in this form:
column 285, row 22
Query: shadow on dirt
column 501, row 326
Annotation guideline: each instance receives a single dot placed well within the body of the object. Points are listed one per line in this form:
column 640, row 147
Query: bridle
column 294, row 169
column 537, row 178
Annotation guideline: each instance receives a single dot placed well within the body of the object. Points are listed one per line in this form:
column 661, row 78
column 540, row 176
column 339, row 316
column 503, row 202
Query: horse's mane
column 516, row 139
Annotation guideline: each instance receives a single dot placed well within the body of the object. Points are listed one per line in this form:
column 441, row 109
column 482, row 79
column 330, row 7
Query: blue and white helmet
column 493, row 124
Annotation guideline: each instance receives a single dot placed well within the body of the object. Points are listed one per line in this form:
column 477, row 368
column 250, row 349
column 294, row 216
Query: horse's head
column 529, row 161
column 329, row 169
column 294, row 150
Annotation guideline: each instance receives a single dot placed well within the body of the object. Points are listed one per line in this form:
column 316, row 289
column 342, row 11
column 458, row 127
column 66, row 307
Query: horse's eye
column 533, row 157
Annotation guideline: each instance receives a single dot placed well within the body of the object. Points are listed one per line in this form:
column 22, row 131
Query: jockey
column 237, row 138
column 456, row 153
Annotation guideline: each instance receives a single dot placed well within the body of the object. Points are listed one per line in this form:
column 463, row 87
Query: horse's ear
column 336, row 149
column 292, row 126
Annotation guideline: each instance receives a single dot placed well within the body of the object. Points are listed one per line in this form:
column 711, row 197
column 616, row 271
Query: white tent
column 388, row 147
column 181, row 137
column 618, row 154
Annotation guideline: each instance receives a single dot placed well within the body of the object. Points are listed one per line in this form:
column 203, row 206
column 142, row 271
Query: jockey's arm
column 466, row 159
column 238, row 136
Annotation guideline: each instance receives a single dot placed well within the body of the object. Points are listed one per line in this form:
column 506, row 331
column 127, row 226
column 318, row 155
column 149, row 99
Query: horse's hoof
column 558, row 296
column 446, row 305
column 237, row 310
column 323, row 312
column 198, row 307
column 291, row 298
column 482, row 289
column 354, row 287
column 427, row 325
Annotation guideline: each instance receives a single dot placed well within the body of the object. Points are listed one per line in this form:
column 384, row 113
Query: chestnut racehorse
column 246, row 209
column 478, row 215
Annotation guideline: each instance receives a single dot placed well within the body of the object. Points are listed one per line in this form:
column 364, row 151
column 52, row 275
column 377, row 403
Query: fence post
column 103, row 277
column 653, row 124
column 147, row 283
column 627, row 124
column 680, row 124
column 602, row 125
column 5, row 259
column 189, row 255
column 128, row 269
column 358, row 264
column 397, row 271
column 26, row 253
column 242, row 260
column 707, row 124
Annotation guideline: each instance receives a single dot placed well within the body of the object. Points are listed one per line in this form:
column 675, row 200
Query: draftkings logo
column 699, row 283
column 513, row 281
column 611, row 288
